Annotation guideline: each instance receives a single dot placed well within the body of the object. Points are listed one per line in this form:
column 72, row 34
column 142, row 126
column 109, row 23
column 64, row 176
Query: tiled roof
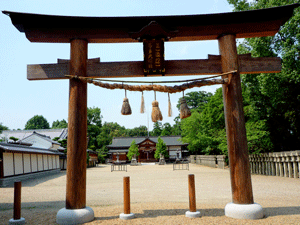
column 22, row 148
column 126, row 141
column 21, row 134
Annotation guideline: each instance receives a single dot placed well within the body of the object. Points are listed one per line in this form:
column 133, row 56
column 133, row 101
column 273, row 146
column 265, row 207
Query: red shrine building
column 147, row 147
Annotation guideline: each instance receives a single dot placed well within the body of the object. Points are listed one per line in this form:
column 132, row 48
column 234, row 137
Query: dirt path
column 159, row 195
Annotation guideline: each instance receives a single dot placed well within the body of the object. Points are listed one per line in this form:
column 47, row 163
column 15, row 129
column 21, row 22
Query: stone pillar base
column 124, row 216
column 75, row 216
column 192, row 214
column 244, row 211
column 19, row 221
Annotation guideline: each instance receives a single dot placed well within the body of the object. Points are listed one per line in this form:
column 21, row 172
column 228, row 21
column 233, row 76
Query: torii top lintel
column 61, row 29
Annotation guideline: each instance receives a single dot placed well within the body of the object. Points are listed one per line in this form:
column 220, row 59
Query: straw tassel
column 169, row 106
column 126, row 109
column 184, row 110
column 156, row 113
column 142, row 104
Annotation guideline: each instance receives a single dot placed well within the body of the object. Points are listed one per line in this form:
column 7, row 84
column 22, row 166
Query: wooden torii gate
column 225, row 27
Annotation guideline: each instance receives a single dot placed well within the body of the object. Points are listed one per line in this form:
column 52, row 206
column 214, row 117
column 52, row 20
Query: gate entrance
column 225, row 27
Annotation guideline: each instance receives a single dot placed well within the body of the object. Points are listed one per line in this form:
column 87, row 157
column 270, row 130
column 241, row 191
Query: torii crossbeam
column 225, row 27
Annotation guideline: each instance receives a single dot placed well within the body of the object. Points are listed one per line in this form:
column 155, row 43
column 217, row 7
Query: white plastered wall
column 34, row 162
column 57, row 162
column 50, row 162
column 8, row 164
column 27, row 168
column 18, row 163
column 46, row 167
column 40, row 162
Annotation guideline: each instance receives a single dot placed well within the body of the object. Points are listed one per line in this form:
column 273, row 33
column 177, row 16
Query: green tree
column 137, row 131
column 94, row 116
column 2, row 127
column 14, row 139
column 274, row 99
column 161, row 148
column 59, row 124
column 167, row 130
column 37, row 122
column 157, row 129
column 196, row 100
column 203, row 130
column 133, row 150
column 176, row 128
column 94, row 124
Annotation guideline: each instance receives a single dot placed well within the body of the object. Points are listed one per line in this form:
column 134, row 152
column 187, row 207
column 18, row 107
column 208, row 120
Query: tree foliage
column 274, row 99
column 157, row 129
column 2, row 127
column 59, row 124
column 14, row 139
column 271, row 101
column 161, row 148
column 133, row 150
column 196, row 100
column 37, row 122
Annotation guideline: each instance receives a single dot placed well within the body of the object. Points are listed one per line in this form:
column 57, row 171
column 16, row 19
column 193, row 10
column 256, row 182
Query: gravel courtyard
column 159, row 195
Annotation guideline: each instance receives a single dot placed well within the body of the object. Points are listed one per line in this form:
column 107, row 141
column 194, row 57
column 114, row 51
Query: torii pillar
column 76, row 211
column 242, row 205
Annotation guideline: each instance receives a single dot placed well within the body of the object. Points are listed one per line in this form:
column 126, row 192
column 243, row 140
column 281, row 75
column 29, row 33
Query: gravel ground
column 159, row 195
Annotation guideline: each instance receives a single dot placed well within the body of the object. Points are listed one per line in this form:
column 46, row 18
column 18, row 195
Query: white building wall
column 40, row 162
column 50, row 162
column 53, row 162
column 18, row 163
column 57, row 162
column 46, row 167
column 34, row 162
column 27, row 168
column 8, row 164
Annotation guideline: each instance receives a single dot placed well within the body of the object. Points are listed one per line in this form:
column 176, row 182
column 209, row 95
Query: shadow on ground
column 37, row 180
column 34, row 205
column 215, row 212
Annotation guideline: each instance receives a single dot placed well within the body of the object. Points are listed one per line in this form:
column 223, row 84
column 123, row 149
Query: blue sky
column 21, row 99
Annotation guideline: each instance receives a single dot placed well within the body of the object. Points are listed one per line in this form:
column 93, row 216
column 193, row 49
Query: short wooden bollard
column 126, row 189
column 17, row 205
column 192, row 198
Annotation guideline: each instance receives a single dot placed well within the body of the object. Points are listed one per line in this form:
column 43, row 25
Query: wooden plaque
column 154, row 59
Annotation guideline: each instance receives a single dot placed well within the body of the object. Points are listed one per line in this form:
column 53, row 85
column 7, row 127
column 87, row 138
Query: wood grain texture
column 192, row 193
column 17, row 200
column 235, row 124
column 212, row 65
column 77, row 129
column 126, row 192
column 61, row 29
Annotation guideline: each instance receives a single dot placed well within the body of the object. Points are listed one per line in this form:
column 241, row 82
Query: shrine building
column 147, row 147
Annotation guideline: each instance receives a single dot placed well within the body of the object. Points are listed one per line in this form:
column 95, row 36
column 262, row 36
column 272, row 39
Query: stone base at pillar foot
column 244, row 211
column 19, row 221
column 124, row 216
column 192, row 214
column 75, row 216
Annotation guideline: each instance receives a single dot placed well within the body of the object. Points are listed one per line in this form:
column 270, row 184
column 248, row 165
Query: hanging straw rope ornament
column 126, row 109
column 156, row 113
column 169, row 106
column 184, row 110
column 142, row 103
